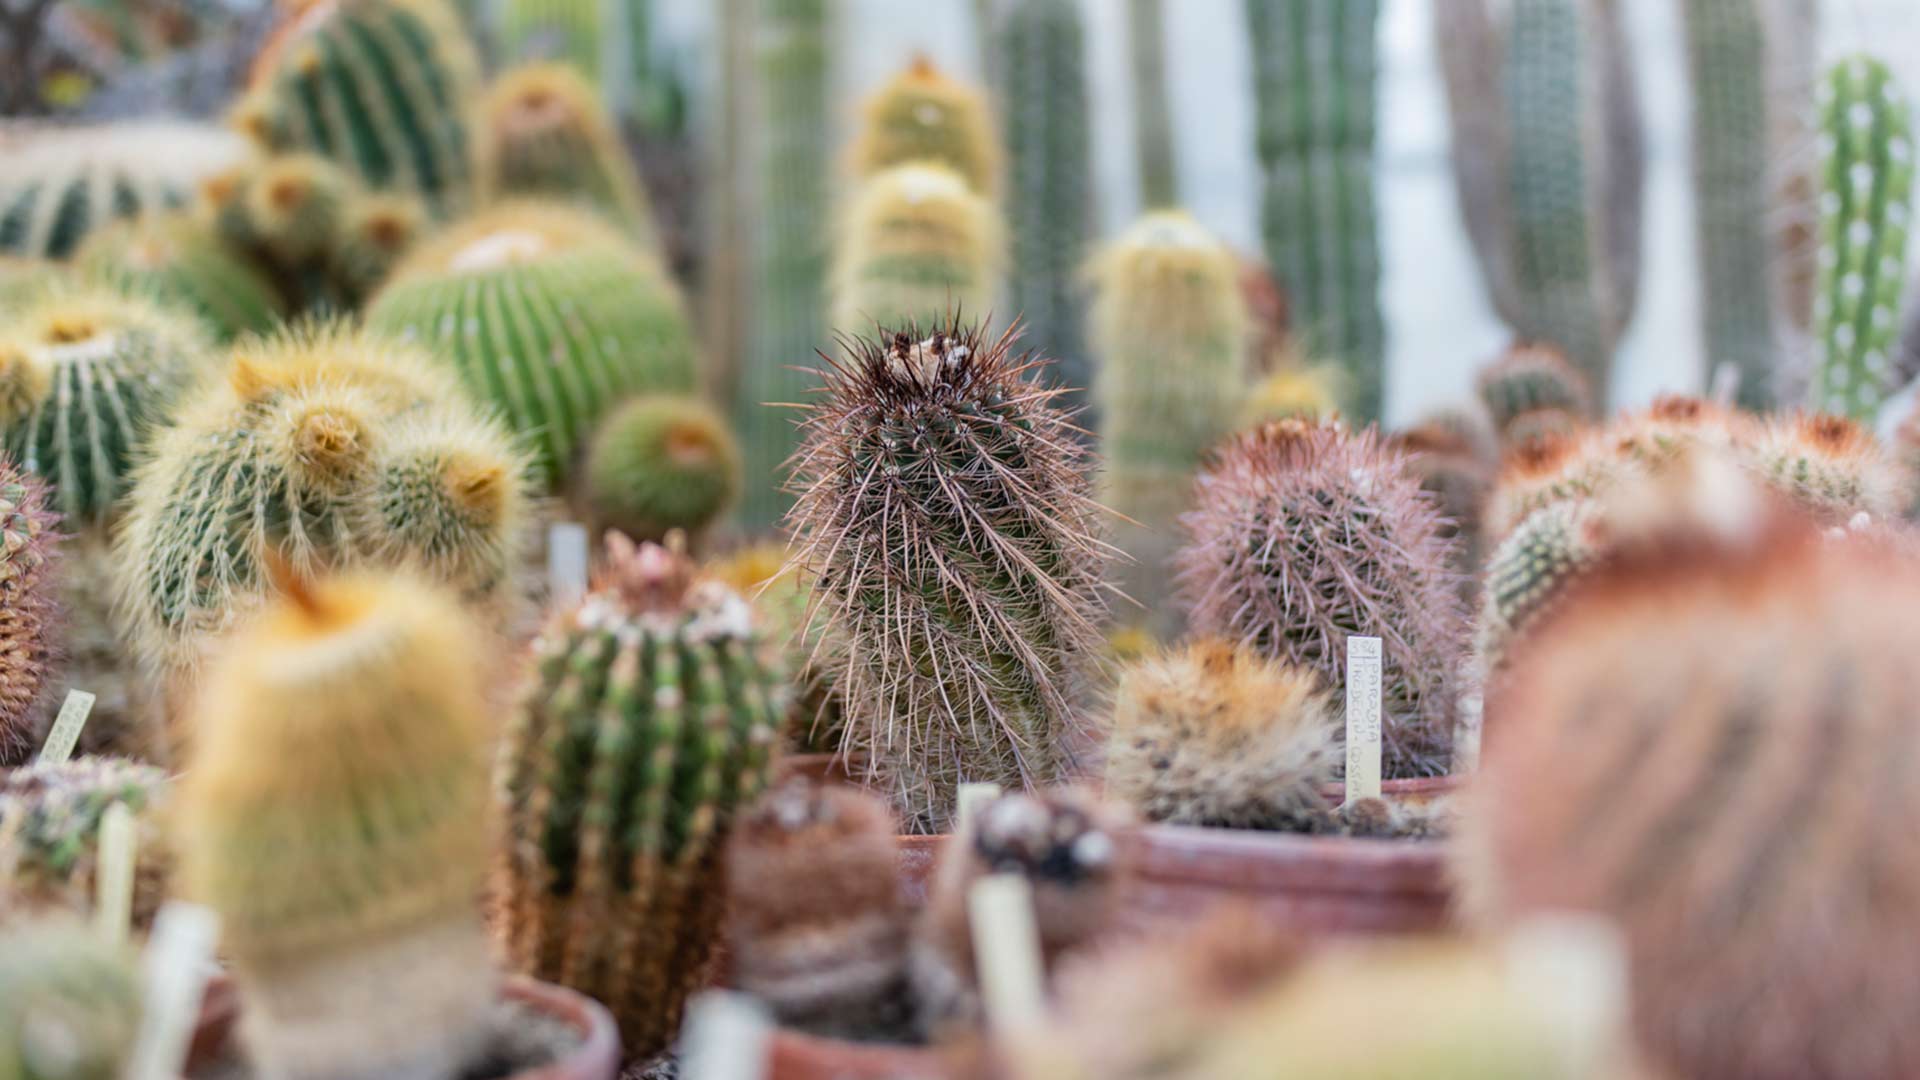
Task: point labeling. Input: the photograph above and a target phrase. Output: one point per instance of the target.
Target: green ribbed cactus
(565, 31)
(380, 87)
(1866, 141)
(85, 374)
(69, 1003)
(1170, 327)
(23, 279)
(661, 463)
(1529, 379)
(542, 133)
(50, 828)
(922, 115)
(1314, 76)
(31, 630)
(792, 56)
(61, 184)
(331, 814)
(651, 721)
(916, 245)
(1531, 567)
(1733, 187)
(548, 317)
(1040, 53)
(181, 262)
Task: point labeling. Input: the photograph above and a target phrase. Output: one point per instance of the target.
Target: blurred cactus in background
(32, 631)
(63, 183)
(922, 115)
(542, 133)
(50, 818)
(70, 1003)
(917, 246)
(177, 260)
(1152, 105)
(1531, 389)
(661, 463)
(565, 32)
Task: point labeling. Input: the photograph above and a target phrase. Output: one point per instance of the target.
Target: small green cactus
(31, 632)
(1530, 378)
(1866, 141)
(182, 263)
(50, 827)
(1547, 550)
(921, 115)
(542, 133)
(916, 246)
(1832, 467)
(62, 184)
(69, 1003)
(651, 721)
(658, 464)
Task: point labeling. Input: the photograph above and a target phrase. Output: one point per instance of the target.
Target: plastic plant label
(1363, 717)
(970, 799)
(1006, 949)
(567, 562)
(119, 847)
(178, 961)
(66, 727)
(726, 1038)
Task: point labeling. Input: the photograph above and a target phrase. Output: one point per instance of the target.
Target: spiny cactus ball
(923, 115)
(1304, 533)
(50, 827)
(181, 261)
(30, 632)
(660, 463)
(1532, 377)
(544, 134)
(1833, 467)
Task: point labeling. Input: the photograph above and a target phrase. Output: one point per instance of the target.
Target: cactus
(1152, 109)
(1170, 327)
(330, 815)
(31, 630)
(1040, 49)
(1727, 68)
(792, 54)
(85, 374)
(921, 115)
(1294, 391)
(543, 134)
(658, 464)
(917, 246)
(1314, 73)
(1452, 454)
(1867, 163)
(332, 448)
(817, 929)
(49, 834)
(1832, 467)
(1731, 805)
(1212, 734)
(24, 279)
(781, 599)
(1529, 570)
(1303, 534)
(650, 722)
(380, 87)
(558, 31)
(62, 184)
(184, 265)
(548, 316)
(944, 519)
(1531, 377)
(69, 1004)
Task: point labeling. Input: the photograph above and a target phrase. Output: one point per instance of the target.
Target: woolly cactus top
(922, 115)
(1833, 467)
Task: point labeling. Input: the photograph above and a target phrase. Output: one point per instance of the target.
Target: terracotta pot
(792, 1055)
(596, 1058)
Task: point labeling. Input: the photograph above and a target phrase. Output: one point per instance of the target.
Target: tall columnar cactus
(69, 1003)
(1040, 51)
(1305, 533)
(548, 316)
(60, 185)
(789, 156)
(182, 263)
(661, 463)
(542, 133)
(922, 115)
(1832, 467)
(1170, 326)
(563, 31)
(1727, 65)
(382, 88)
(1732, 805)
(818, 928)
(1528, 379)
(650, 721)
(50, 833)
(1314, 76)
(1152, 105)
(1866, 140)
(945, 520)
(331, 815)
(917, 245)
(30, 626)
(333, 449)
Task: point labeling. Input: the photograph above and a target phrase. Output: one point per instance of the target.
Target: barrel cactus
(542, 133)
(1528, 379)
(183, 263)
(661, 463)
(31, 641)
(50, 816)
(70, 1003)
(63, 183)
(916, 246)
(923, 115)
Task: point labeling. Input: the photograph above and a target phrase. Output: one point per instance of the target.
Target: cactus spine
(547, 316)
(1314, 74)
(651, 720)
(659, 464)
(30, 630)
(63, 184)
(921, 115)
(50, 827)
(1866, 141)
(69, 1004)
(917, 246)
(543, 134)
(945, 520)
(329, 814)
(183, 264)
(1170, 325)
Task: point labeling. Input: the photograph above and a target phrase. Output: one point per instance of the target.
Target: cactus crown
(1532, 377)
(543, 132)
(922, 115)
(1832, 466)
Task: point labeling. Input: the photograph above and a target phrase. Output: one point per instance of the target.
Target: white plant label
(66, 727)
(971, 798)
(567, 562)
(726, 1038)
(1006, 949)
(178, 960)
(119, 849)
(1363, 718)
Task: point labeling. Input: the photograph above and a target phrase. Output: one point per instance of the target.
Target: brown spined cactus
(1832, 467)
(1304, 533)
(945, 521)
(817, 928)
(30, 630)
(1455, 457)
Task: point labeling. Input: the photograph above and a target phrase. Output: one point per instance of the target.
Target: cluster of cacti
(1304, 533)
(651, 720)
(31, 634)
(1314, 74)
(330, 816)
(1531, 390)
(1866, 140)
(327, 447)
(918, 245)
(60, 185)
(945, 523)
(660, 463)
(1170, 327)
(542, 133)
(923, 116)
(382, 88)
(818, 928)
(548, 316)
(70, 1003)
(180, 262)
(49, 834)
